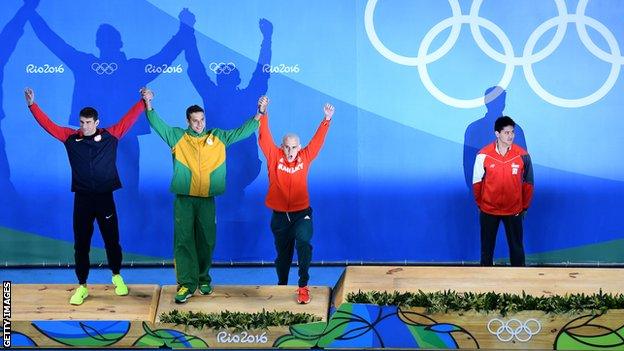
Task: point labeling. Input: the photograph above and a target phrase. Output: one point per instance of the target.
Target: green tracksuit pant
(194, 236)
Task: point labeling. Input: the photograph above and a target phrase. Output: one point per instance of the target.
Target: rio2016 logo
(164, 68)
(44, 69)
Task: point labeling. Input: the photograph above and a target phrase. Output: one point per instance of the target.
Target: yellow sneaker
(182, 295)
(79, 295)
(121, 288)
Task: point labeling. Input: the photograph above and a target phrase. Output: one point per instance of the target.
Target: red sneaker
(303, 295)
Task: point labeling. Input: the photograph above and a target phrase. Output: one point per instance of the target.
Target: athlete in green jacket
(198, 175)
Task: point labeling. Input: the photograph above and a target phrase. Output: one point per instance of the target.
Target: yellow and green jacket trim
(199, 159)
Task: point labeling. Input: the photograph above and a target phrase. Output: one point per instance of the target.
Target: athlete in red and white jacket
(291, 223)
(502, 184)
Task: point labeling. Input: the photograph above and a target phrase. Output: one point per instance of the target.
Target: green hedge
(237, 320)
(503, 303)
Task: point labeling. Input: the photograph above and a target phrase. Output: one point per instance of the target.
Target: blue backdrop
(409, 79)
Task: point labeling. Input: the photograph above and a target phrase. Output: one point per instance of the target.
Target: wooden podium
(397, 327)
(43, 317)
(248, 298)
(533, 281)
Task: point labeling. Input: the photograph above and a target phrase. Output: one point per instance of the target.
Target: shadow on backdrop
(227, 106)
(480, 133)
(11, 33)
(110, 82)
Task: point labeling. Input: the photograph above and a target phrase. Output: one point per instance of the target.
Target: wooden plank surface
(51, 302)
(532, 280)
(248, 298)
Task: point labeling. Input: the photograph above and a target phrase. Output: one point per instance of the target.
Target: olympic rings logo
(222, 67)
(104, 68)
(508, 58)
(514, 328)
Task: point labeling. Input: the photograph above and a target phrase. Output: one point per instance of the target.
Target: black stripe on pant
(87, 208)
(290, 230)
(513, 231)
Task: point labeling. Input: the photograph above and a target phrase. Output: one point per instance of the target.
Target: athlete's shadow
(481, 132)
(227, 106)
(11, 33)
(110, 82)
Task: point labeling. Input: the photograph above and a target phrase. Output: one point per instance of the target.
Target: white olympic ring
(508, 58)
(222, 67)
(104, 68)
(514, 328)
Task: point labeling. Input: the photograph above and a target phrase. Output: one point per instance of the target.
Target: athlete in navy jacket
(92, 154)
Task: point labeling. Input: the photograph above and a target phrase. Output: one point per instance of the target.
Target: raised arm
(313, 148)
(13, 31)
(58, 132)
(55, 43)
(168, 134)
(127, 121)
(176, 44)
(260, 78)
(232, 136)
(265, 139)
(196, 69)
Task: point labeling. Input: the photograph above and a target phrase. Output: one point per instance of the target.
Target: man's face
(197, 122)
(506, 135)
(88, 126)
(291, 147)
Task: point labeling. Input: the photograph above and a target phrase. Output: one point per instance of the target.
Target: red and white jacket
(288, 181)
(503, 185)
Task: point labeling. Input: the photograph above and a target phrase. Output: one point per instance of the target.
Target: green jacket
(199, 159)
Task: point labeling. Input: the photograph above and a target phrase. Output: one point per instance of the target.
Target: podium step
(247, 298)
(51, 302)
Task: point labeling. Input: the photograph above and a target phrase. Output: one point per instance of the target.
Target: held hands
(328, 109)
(147, 95)
(29, 94)
(186, 17)
(263, 102)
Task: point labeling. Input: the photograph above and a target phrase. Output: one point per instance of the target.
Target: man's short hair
(502, 122)
(193, 109)
(291, 136)
(89, 112)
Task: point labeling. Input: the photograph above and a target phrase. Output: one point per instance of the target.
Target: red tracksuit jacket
(503, 185)
(288, 181)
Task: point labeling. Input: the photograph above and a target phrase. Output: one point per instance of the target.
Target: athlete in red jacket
(291, 222)
(503, 187)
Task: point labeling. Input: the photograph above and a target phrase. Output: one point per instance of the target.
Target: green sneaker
(80, 295)
(182, 295)
(121, 288)
(205, 289)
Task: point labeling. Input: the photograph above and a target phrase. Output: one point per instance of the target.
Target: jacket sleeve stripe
(479, 170)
